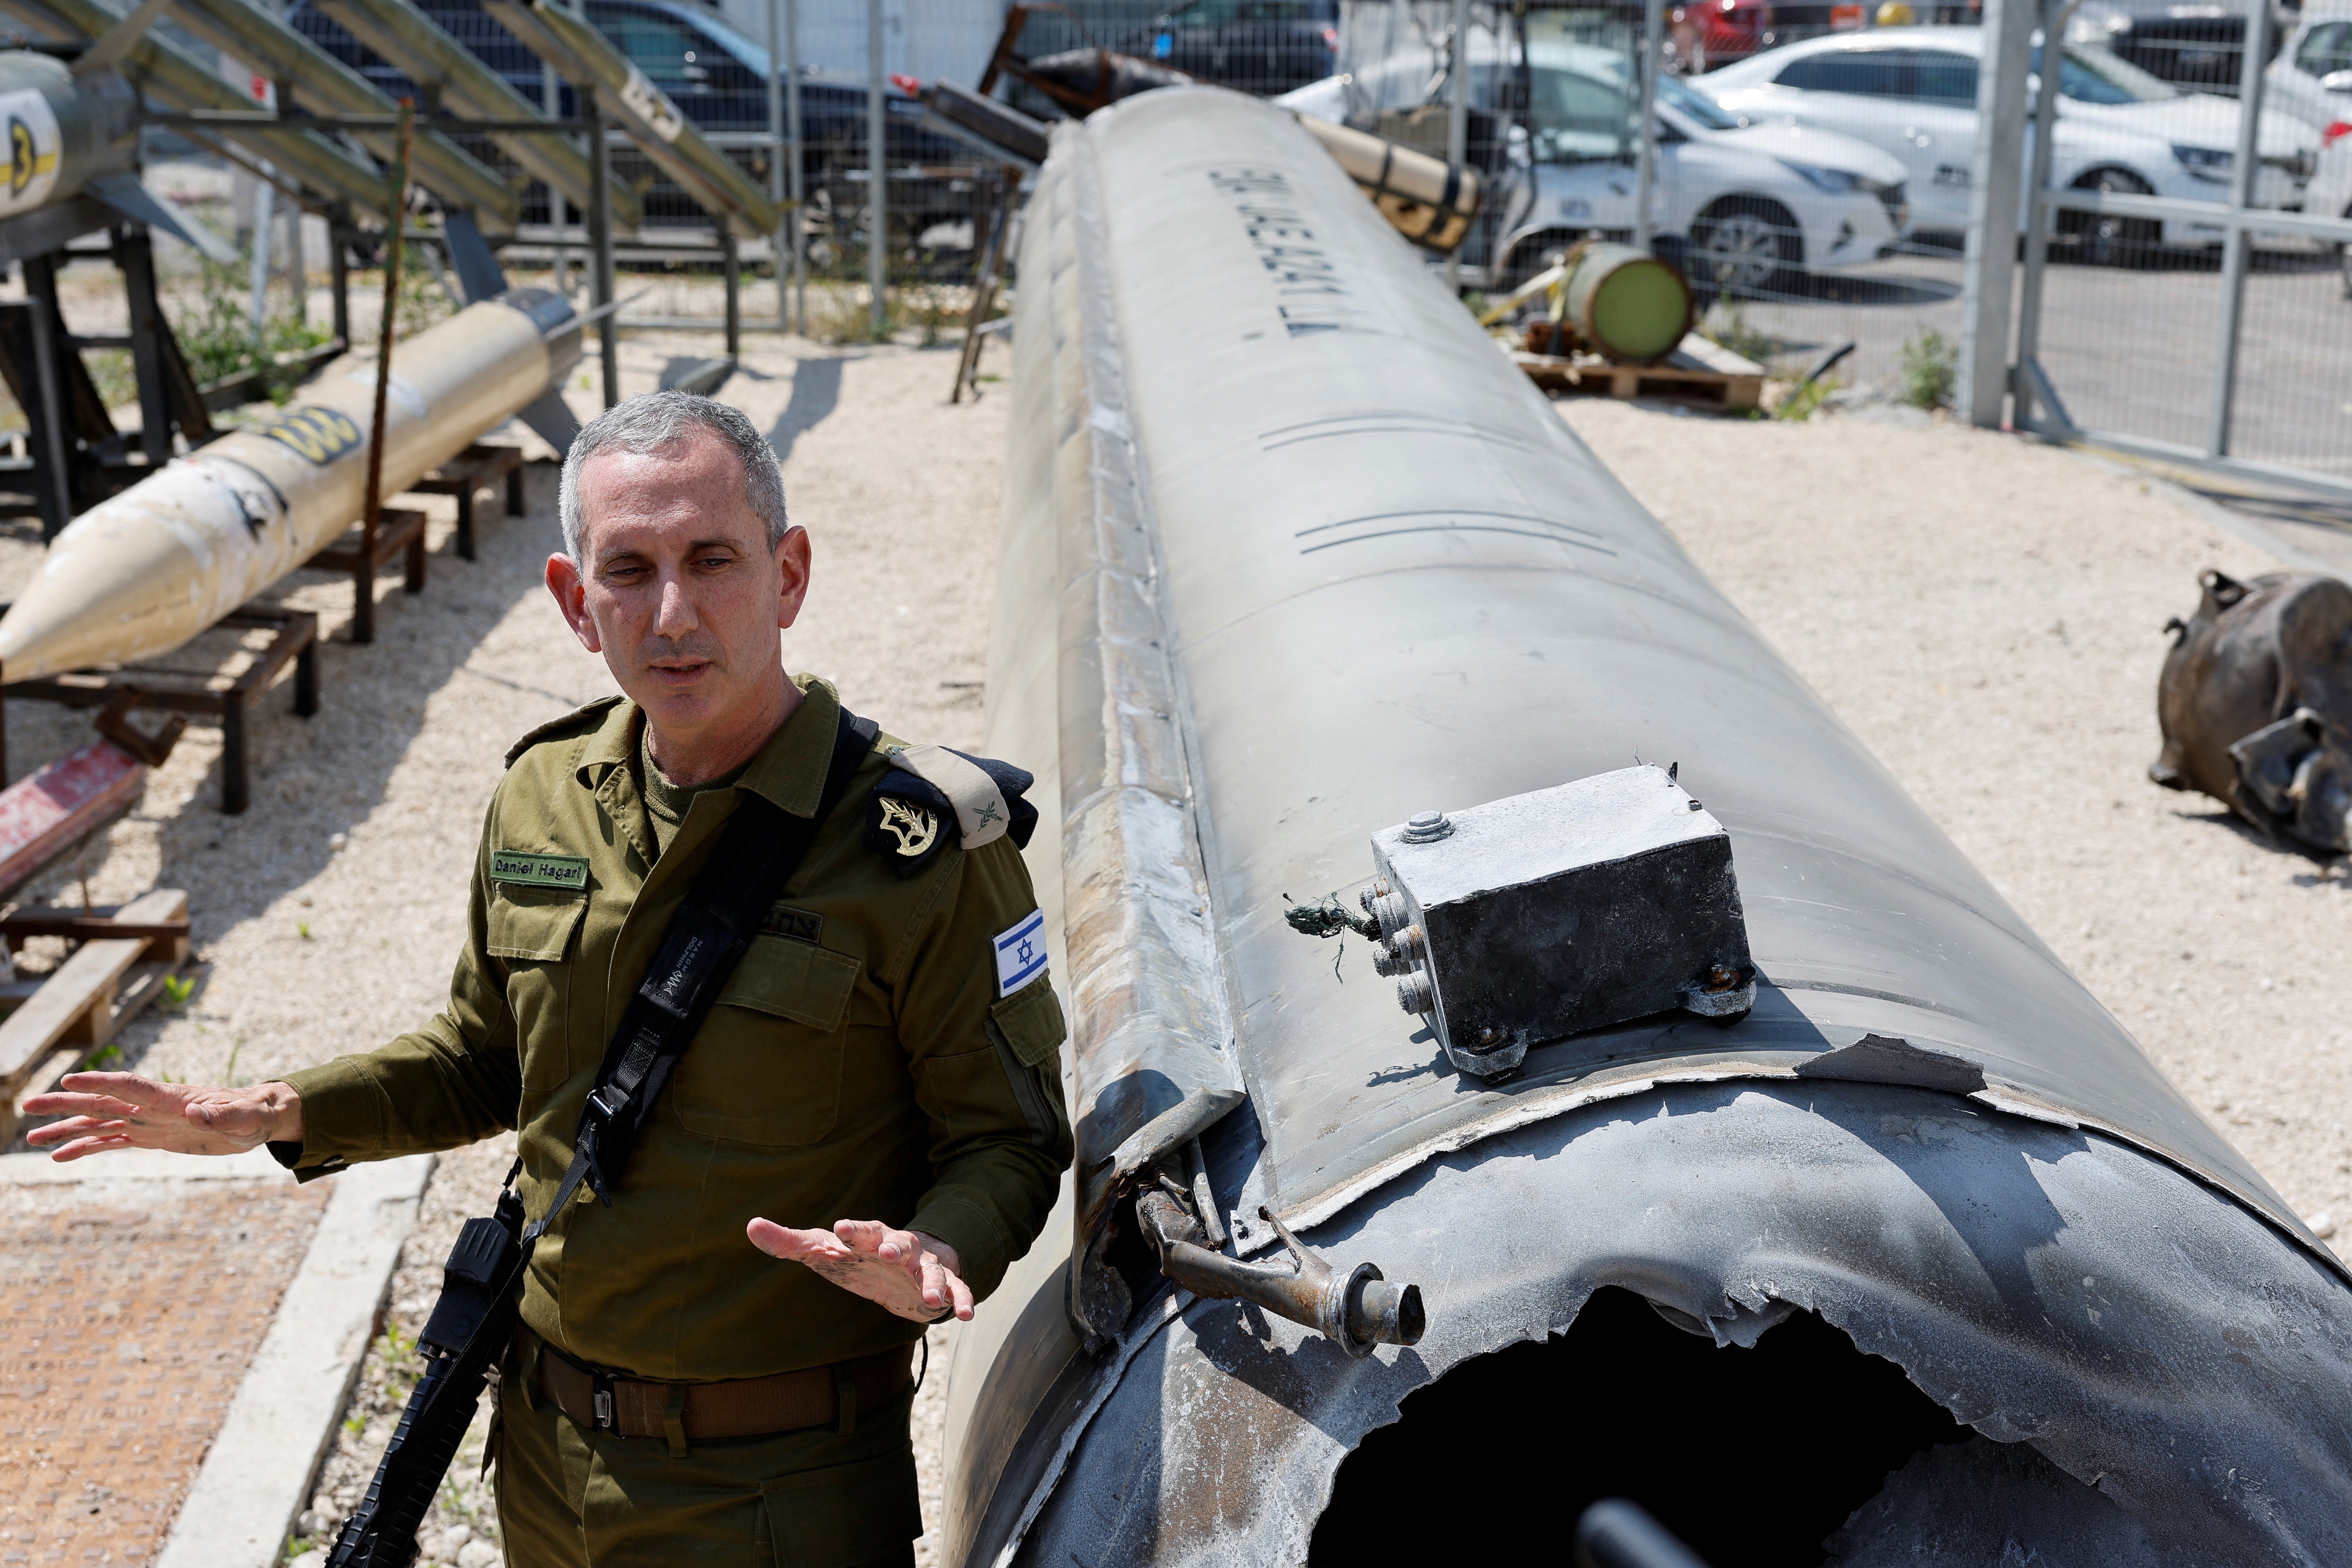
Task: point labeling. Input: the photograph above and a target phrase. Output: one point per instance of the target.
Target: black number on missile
(24, 157)
(318, 435)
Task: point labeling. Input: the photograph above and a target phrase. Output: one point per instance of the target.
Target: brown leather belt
(738, 1407)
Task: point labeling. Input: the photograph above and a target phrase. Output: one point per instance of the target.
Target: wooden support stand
(182, 691)
(477, 467)
(56, 1024)
(1699, 370)
(362, 552)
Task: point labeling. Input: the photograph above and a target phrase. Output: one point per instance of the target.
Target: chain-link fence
(2192, 300)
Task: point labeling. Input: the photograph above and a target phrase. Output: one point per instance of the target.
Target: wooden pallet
(57, 1022)
(1698, 372)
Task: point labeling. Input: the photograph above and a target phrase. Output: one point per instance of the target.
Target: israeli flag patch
(1021, 953)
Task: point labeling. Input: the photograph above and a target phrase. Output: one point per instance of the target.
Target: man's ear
(792, 575)
(563, 581)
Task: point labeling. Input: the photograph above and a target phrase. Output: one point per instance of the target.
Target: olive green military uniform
(863, 1062)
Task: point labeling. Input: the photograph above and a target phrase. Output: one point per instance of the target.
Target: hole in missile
(1752, 1456)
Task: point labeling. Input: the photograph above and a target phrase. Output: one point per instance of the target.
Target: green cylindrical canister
(1627, 303)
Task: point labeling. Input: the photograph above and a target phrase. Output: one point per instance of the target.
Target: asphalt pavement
(2128, 348)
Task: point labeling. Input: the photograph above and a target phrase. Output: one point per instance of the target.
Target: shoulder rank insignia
(931, 796)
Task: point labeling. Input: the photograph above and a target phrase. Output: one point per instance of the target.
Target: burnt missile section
(1559, 911)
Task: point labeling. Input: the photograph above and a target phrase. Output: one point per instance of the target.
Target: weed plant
(1929, 365)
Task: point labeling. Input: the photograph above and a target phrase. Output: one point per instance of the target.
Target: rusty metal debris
(1355, 1310)
(2255, 702)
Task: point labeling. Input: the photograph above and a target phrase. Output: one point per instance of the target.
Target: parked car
(1755, 207)
(2329, 194)
(2189, 43)
(1912, 92)
(2312, 78)
(1265, 46)
(713, 73)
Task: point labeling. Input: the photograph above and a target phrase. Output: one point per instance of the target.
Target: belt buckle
(606, 1417)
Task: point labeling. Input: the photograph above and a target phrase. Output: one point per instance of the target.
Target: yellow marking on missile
(318, 435)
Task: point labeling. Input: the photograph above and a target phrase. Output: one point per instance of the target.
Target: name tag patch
(1021, 953)
(529, 870)
(801, 925)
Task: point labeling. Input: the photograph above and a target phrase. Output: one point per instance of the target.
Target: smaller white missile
(142, 573)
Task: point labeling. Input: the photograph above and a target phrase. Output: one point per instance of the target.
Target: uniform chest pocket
(534, 932)
(766, 1069)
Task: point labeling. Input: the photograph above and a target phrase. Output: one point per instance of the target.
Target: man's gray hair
(659, 420)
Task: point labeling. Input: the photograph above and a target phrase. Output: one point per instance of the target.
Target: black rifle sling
(755, 857)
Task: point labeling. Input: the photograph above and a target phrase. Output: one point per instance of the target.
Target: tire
(2101, 239)
(1744, 247)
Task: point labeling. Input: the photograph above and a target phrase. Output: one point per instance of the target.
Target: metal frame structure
(1988, 369)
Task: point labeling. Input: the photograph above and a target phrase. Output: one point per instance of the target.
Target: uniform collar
(788, 772)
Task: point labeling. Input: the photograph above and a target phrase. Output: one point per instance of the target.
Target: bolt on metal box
(1561, 911)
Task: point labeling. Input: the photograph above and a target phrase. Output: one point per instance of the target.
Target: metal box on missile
(1559, 910)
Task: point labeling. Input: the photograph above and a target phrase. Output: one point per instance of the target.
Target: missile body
(171, 80)
(585, 57)
(143, 573)
(62, 134)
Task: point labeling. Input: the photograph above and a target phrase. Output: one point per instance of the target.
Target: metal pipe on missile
(140, 575)
(323, 85)
(419, 47)
(587, 60)
(169, 78)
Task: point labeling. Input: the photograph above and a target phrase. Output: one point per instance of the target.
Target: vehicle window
(1693, 104)
(1945, 78)
(1873, 73)
(2095, 76)
(654, 44)
(2326, 48)
(1577, 118)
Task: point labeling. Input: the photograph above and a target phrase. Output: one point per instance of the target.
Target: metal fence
(2201, 313)
(2169, 245)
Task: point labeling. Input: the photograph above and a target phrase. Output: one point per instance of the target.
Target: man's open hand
(125, 1110)
(911, 1274)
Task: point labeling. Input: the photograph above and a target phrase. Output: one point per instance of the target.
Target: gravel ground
(327, 917)
(1988, 614)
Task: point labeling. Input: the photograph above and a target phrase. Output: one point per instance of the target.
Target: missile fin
(552, 418)
(478, 273)
(126, 195)
(115, 43)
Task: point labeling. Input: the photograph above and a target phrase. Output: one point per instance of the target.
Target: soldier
(865, 1130)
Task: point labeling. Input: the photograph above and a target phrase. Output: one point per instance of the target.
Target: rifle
(471, 1324)
(481, 1291)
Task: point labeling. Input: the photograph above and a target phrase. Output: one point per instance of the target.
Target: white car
(1912, 91)
(2329, 194)
(2312, 78)
(1756, 207)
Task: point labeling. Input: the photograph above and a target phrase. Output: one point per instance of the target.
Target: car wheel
(2103, 239)
(1746, 246)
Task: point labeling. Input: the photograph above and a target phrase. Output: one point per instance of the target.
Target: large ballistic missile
(73, 134)
(585, 58)
(142, 573)
(1921, 1260)
(412, 40)
(324, 85)
(172, 79)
